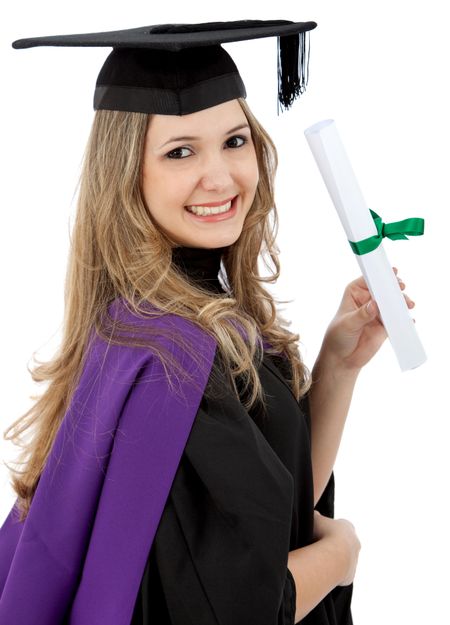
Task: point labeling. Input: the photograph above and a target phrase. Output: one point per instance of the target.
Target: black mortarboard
(176, 69)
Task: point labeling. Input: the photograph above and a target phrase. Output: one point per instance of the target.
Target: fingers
(402, 286)
(361, 283)
(409, 301)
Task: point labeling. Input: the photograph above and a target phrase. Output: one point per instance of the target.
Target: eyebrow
(186, 138)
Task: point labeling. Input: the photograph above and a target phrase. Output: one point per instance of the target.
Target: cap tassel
(293, 68)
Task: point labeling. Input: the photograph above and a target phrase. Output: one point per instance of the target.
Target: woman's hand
(341, 533)
(356, 332)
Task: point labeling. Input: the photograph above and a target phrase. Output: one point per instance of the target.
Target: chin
(221, 241)
(211, 240)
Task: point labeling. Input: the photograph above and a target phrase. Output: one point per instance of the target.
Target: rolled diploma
(333, 163)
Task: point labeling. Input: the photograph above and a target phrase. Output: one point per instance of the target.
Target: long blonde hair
(117, 251)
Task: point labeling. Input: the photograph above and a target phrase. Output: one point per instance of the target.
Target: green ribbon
(395, 230)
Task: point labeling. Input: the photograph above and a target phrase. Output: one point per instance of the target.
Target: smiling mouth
(210, 210)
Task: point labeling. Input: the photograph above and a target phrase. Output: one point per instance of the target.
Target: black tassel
(293, 68)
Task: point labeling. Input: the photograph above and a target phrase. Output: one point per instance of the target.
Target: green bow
(395, 230)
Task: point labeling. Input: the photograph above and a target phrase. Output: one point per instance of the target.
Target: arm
(329, 399)
(316, 569)
(352, 338)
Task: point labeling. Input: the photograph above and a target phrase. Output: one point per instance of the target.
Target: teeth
(210, 210)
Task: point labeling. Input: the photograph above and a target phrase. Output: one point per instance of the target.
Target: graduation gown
(241, 499)
(166, 507)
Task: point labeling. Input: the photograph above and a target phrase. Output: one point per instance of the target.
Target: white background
(380, 69)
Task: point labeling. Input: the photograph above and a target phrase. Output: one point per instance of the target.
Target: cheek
(147, 182)
(165, 192)
(250, 175)
(255, 175)
(250, 170)
(153, 182)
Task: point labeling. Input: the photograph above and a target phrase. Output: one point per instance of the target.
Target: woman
(181, 468)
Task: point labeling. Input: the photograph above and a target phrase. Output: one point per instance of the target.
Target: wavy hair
(117, 251)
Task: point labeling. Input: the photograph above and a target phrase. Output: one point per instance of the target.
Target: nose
(216, 174)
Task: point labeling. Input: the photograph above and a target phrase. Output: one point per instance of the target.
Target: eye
(236, 141)
(240, 139)
(177, 153)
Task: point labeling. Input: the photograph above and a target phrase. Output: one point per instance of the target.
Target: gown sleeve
(286, 615)
(151, 604)
(242, 498)
(221, 549)
(335, 608)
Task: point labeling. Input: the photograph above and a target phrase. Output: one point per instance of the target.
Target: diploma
(359, 225)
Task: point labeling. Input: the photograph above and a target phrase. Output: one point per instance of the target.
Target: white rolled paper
(337, 173)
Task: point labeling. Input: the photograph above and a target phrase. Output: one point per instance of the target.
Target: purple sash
(82, 550)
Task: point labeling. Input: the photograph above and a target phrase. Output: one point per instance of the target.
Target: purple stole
(81, 552)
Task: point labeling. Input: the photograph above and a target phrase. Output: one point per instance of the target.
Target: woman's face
(205, 160)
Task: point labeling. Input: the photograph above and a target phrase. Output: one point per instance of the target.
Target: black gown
(241, 499)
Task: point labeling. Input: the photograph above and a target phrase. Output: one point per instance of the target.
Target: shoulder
(279, 359)
(132, 377)
(130, 342)
(162, 327)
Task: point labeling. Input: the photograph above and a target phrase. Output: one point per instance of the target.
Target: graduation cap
(177, 69)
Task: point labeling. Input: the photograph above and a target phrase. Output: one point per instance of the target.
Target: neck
(200, 265)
